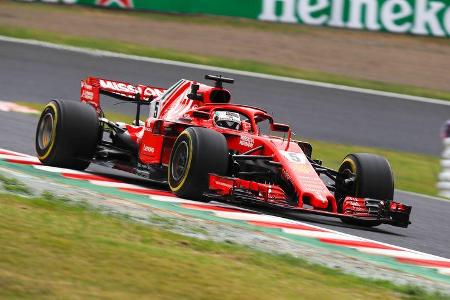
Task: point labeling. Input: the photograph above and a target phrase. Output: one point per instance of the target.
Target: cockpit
(246, 119)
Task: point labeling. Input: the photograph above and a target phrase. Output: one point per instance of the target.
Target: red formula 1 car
(205, 147)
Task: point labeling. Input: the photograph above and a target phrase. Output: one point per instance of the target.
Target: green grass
(14, 186)
(246, 65)
(57, 250)
(413, 172)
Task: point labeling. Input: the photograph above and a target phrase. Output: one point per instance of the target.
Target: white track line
(57, 170)
(15, 153)
(322, 234)
(14, 107)
(396, 253)
(425, 196)
(103, 53)
(242, 216)
(22, 158)
(444, 271)
(117, 184)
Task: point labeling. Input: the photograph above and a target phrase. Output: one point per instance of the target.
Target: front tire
(67, 134)
(197, 152)
(373, 179)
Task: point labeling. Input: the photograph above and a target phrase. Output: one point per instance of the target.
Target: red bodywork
(172, 111)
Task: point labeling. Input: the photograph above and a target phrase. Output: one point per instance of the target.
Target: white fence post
(443, 184)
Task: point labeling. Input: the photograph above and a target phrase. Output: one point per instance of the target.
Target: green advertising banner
(420, 17)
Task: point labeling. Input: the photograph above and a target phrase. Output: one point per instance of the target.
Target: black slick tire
(374, 180)
(197, 152)
(67, 134)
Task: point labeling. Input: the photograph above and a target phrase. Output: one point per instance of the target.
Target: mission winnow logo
(423, 17)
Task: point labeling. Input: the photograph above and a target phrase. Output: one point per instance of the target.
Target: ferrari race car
(204, 147)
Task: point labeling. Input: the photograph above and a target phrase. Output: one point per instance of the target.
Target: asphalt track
(33, 73)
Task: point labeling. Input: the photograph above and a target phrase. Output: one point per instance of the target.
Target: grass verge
(14, 186)
(413, 172)
(245, 65)
(57, 250)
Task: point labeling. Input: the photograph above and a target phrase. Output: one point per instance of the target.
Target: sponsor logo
(422, 17)
(117, 86)
(286, 175)
(86, 86)
(149, 91)
(121, 87)
(87, 95)
(115, 3)
(247, 141)
(149, 149)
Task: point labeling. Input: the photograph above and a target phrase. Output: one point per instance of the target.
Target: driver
(227, 119)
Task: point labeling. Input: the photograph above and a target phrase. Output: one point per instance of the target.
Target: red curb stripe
(144, 191)
(350, 243)
(12, 153)
(210, 207)
(23, 162)
(87, 176)
(284, 225)
(425, 262)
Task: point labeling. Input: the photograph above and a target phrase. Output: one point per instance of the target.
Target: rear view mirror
(279, 127)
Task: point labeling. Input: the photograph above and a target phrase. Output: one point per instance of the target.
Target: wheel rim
(180, 161)
(45, 133)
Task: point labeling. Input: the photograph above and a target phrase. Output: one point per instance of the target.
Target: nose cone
(317, 200)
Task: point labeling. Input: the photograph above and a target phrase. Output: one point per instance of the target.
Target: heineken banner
(421, 17)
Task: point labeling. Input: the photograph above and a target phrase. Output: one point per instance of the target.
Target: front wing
(361, 210)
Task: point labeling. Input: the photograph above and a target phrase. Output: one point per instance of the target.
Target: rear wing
(92, 88)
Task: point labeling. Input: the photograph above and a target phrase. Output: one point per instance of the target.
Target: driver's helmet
(227, 119)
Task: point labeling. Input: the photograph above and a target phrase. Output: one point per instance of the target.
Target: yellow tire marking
(180, 185)
(55, 121)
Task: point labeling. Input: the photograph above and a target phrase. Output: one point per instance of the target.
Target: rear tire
(196, 153)
(67, 134)
(374, 180)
